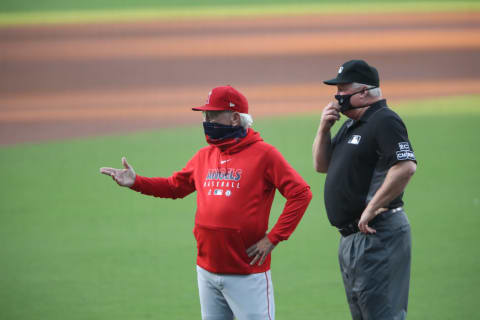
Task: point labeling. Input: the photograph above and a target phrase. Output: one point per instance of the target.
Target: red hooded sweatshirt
(235, 182)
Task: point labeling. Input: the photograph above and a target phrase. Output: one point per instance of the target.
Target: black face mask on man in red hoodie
(219, 131)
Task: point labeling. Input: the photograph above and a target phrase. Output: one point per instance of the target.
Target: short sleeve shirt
(362, 153)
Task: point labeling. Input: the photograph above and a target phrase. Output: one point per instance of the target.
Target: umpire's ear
(364, 91)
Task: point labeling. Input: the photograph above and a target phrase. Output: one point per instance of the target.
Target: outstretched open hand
(124, 177)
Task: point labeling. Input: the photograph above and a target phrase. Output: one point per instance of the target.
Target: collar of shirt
(374, 107)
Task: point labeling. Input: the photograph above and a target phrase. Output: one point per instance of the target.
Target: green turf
(73, 245)
(14, 12)
(55, 5)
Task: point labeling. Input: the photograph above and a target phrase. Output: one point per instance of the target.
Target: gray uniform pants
(376, 268)
(245, 297)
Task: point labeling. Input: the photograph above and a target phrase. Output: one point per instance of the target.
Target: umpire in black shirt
(368, 164)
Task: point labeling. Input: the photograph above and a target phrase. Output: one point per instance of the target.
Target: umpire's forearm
(395, 183)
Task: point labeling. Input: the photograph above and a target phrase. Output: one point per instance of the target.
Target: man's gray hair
(246, 120)
(377, 92)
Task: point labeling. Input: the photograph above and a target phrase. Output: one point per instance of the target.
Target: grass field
(73, 245)
(55, 5)
(15, 12)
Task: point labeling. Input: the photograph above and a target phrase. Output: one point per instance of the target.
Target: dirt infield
(79, 80)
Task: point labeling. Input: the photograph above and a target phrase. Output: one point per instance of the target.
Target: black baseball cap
(356, 71)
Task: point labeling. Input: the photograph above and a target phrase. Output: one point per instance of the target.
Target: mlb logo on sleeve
(355, 139)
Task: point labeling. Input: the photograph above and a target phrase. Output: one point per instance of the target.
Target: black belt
(349, 229)
(352, 227)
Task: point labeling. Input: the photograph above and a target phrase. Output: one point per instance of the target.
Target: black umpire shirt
(362, 153)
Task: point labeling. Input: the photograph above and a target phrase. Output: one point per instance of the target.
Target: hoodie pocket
(221, 250)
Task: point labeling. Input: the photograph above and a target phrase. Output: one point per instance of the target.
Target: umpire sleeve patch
(405, 155)
(405, 152)
(403, 146)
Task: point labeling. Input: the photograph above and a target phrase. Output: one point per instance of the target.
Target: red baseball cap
(224, 98)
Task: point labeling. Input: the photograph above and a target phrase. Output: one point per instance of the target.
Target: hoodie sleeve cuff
(273, 238)
(136, 184)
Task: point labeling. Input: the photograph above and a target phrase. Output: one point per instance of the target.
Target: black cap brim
(335, 81)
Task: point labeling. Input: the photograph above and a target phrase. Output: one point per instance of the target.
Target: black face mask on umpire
(344, 100)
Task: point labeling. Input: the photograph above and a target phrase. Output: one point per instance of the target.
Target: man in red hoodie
(235, 178)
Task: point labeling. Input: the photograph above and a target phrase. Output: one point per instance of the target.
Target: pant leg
(380, 267)
(347, 260)
(400, 276)
(396, 234)
(250, 296)
(212, 302)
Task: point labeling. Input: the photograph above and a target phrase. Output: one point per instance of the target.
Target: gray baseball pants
(245, 297)
(376, 268)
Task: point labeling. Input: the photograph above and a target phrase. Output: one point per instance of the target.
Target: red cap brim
(209, 108)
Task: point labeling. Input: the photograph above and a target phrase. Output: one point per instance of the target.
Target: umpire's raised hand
(124, 177)
(330, 115)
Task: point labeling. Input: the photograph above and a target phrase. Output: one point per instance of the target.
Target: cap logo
(232, 104)
(340, 69)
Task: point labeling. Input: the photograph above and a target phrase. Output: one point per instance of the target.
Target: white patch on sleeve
(403, 146)
(405, 155)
